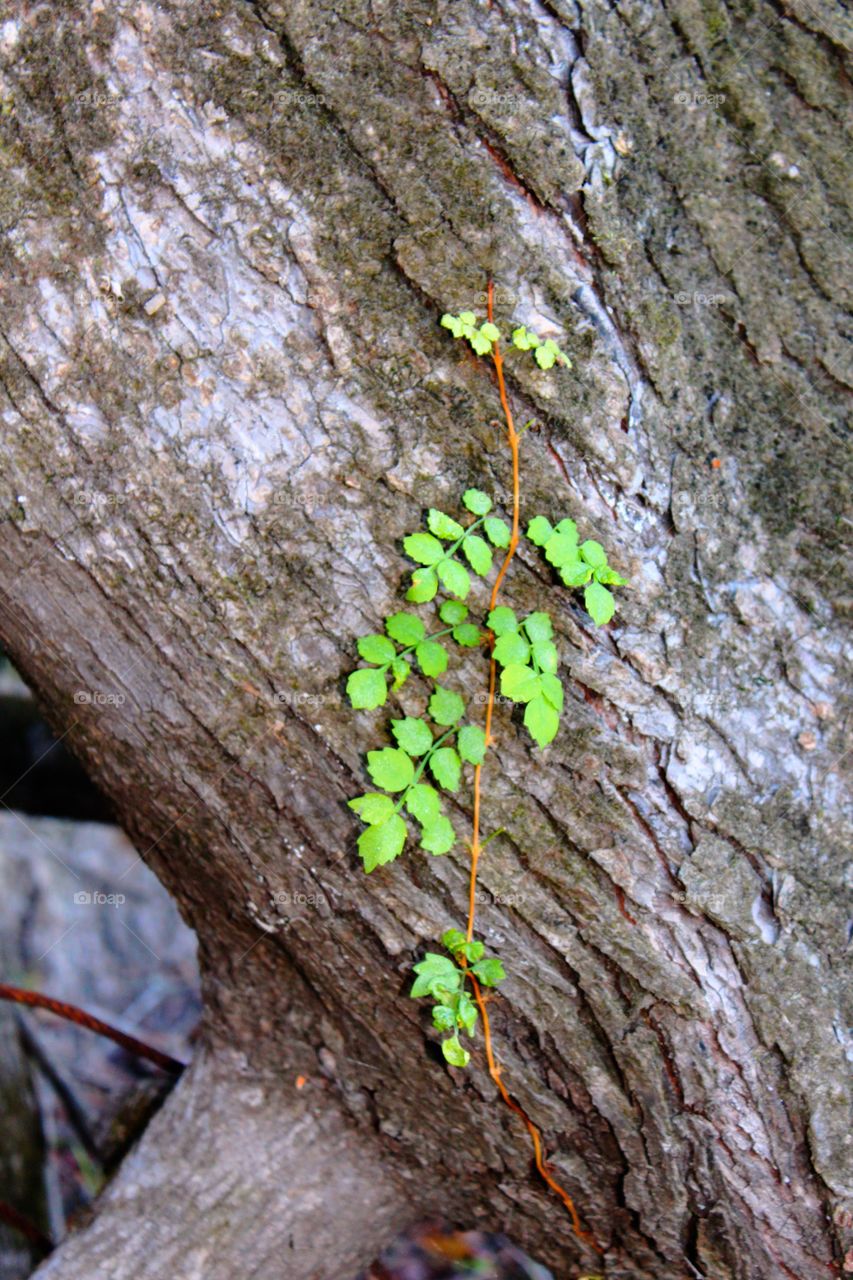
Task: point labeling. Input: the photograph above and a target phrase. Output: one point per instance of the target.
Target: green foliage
(583, 565)
(446, 981)
(528, 657)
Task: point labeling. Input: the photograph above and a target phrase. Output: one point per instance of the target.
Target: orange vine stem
(494, 1068)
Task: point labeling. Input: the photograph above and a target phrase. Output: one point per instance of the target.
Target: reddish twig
(17, 1220)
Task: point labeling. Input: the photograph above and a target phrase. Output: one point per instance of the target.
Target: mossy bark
(231, 229)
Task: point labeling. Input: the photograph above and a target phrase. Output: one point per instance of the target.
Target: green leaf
(401, 671)
(432, 657)
(443, 1017)
(519, 683)
(377, 649)
(424, 803)
(466, 1012)
(455, 578)
(539, 531)
(480, 343)
(490, 331)
(453, 612)
(566, 526)
(473, 951)
(511, 647)
(497, 531)
(424, 586)
(414, 736)
(446, 707)
(468, 318)
(538, 626)
(477, 554)
(545, 656)
(435, 972)
(552, 690)
(610, 576)
(467, 635)
(383, 842)
(523, 339)
(489, 971)
(477, 501)
(471, 743)
(562, 549)
(453, 323)
(600, 603)
(373, 807)
(406, 628)
(366, 688)
(454, 1053)
(575, 573)
(446, 768)
(453, 939)
(423, 547)
(438, 837)
(548, 353)
(594, 553)
(390, 768)
(501, 620)
(443, 526)
(541, 720)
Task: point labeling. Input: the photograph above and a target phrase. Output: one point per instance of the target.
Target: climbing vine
(434, 747)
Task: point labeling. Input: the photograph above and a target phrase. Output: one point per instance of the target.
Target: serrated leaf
(490, 331)
(446, 707)
(366, 688)
(552, 690)
(545, 656)
(600, 603)
(467, 635)
(453, 323)
(489, 971)
(501, 620)
(454, 1053)
(432, 657)
(610, 577)
(593, 553)
(443, 1017)
(480, 343)
(423, 802)
(575, 573)
(383, 842)
(438, 837)
(405, 628)
(455, 578)
(443, 526)
(466, 1012)
(538, 626)
(414, 736)
(471, 743)
(523, 339)
(548, 353)
(568, 527)
(497, 531)
(539, 531)
(453, 939)
(477, 501)
(390, 768)
(435, 972)
(511, 647)
(519, 683)
(477, 554)
(401, 671)
(377, 649)
(467, 317)
(423, 547)
(561, 549)
(453, 612)
(373, 807)
(473, 951)
(424, 586)
(446, 768)
(541, 720)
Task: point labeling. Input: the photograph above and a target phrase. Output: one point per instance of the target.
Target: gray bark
(231, 229)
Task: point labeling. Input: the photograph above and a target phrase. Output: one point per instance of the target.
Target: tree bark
(230, 230)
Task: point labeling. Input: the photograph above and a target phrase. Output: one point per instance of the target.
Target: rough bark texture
(231, 228)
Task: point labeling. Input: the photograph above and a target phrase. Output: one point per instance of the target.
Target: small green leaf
(566, 526)
(497, 531)
(423, 547)
(455, 578)
(435, 972)
(390, 768)
(453, 612)
(466, 1012)
(523, 339)
(454, 1053)
(443, 1017)
(446, 768)
(472, 951)
(490, 331)
(545, 656)
(501, 620)
(424, 803)
(453, 323)
(480, 343)
(471, 742)
(432, 657)
(406, 628)
(575, 573)
(541, 720)
(438, 837)
(548, 353)
(467, 635)
(477, 501)
(539, 531)
(489, 971)
(443, 526)
(446, 707)
(609, 576)
(600, 603)
(538, 626)
(519, 683)
(424, 586)
(377, 649)
(414, 736)
(373, 807)
(468, 318)
(552, 690)
(477, 554)
(401, 671)
(562, 549)
(366, 688)
(593, 553)
(511, 647)
(383, 842)
(453, 939)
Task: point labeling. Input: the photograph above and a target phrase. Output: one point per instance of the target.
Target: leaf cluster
(579, 565)
(482, 338)
(444, 978)
(440, 551)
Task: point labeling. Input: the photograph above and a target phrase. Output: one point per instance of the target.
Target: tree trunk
(231, 229)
